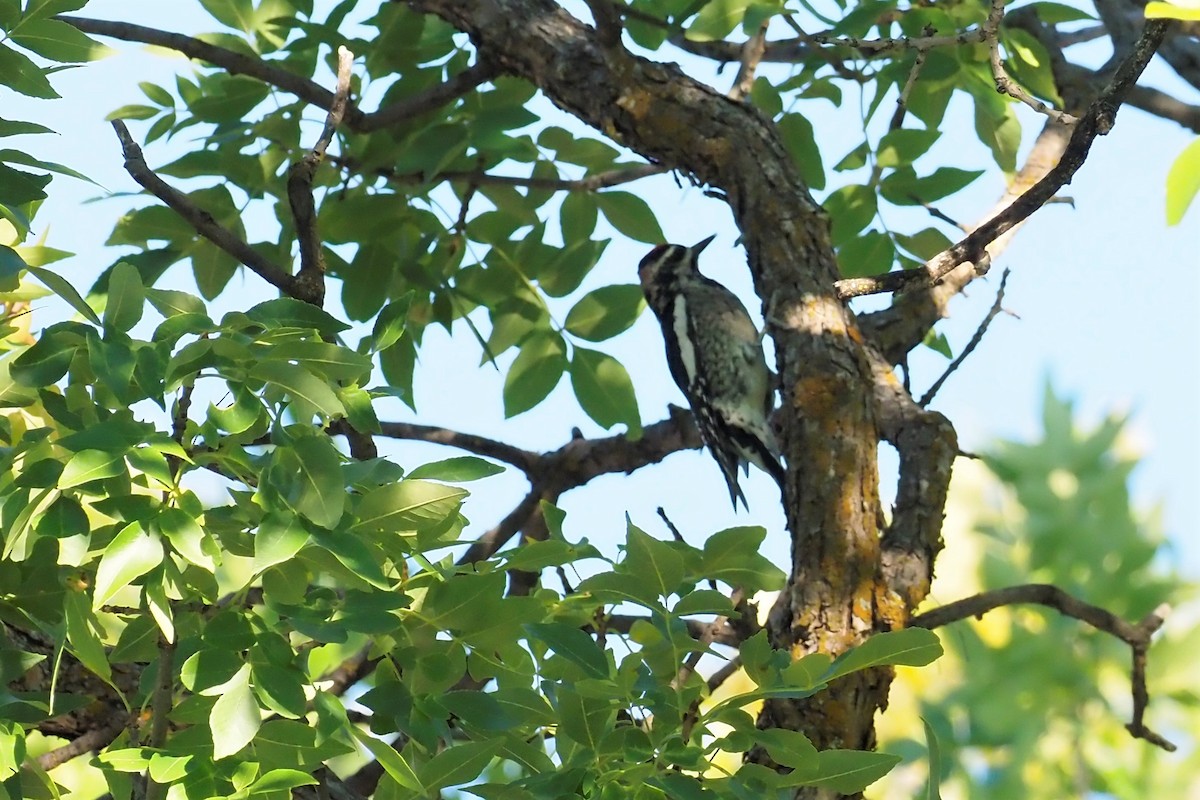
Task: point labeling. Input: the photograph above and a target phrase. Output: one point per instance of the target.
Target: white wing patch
(687, 352)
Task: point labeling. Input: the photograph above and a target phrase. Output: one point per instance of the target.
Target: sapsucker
(715, 355)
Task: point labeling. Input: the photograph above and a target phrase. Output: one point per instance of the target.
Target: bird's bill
(703, 243)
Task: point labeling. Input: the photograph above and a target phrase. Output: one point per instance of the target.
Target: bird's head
(667, 262)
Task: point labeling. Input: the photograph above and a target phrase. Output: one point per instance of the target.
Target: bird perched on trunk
(715, 355)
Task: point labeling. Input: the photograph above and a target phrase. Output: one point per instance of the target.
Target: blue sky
(1108, 299)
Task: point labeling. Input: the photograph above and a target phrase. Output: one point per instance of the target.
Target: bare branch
(455, 87)
(1004, 83)
(1136, 636)
(592, 183)
(311, 277)
(1098, 120)
(608, 22)
(524, 460)
(490, 542)
(94, 739)
(752, 53)
(309, 91)
(201, 220)
(971, 345)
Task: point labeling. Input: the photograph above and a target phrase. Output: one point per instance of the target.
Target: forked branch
(1136, 636)
(1098, 120)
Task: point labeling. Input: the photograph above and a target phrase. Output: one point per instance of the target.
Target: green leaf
(630, 215)
(904, 188)
(392, 762)
(851, 771)
(732, 556)
(132, 553)
(800, 141)
(65, 517)
(459, 764)
(851, 208)
(583, 719)
(59, 41)
(157, 94)
(126, 298)
(868, 253)
(279, 537)
(390, 324)
(534, 373)
(571, 643)
(186, 536)
(604, 389)
(46, 361)
(1183, 182)
(605, 312)
(717, 19)
(235, 716)
(459, 469)
(280, 780)
(20, 73)
(91, 465)
(318, 481)
(324, 359)
(913, 647)
(59, 285)
(904, 146)
(82, 635)
(577, 217)
(301, 384)
(132, 111)
(1054, 13)
(791, 749)
(12, 264)
(410, 505)
(18, 187)
(171, 303)
(933, 788)
(656, 563)
(284, 312)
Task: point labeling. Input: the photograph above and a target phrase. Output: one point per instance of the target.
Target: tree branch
(310, 280)
(94, 739)
(1098, 120)
(524, 460)
(1004, 82)
(309, 91)
(201, 220)
(971, 345)
(591, 183)
(1136, 636)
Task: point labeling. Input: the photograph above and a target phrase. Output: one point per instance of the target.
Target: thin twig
(902, 101)
(162, 701)
(727, 670)
(201, 220)
(1136, 636)
(1004, 83)
(309, 91)
(311, 277)
(662, 513)
(1097, 121)
(971, 345)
